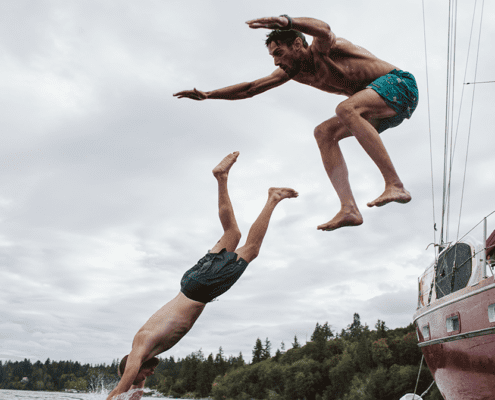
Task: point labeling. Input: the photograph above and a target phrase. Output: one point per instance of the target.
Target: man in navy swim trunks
(212, 276)
(379, 97)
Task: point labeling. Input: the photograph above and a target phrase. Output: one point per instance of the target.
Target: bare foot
(279, 194)
(222, 169)
(343, 218)
(399, 195)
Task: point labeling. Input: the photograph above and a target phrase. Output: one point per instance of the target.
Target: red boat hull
(461, 356)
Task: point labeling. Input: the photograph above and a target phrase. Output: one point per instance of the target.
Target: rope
(470, 117)
(475, 83)
(429, 387)
(468, 232)
(419, 372)
(450, 96)
(450, 246)
(447, 117)
(460, 107)
(429, 128)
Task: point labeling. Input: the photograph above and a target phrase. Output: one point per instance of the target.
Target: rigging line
(419, 372)
(462, 94)
(444, 189)
(474, 227)
(475, 83)
(429, 387)
(448, 117)
(451, 245)
(451, 110)
(462, 97)
(429, 128)
(470, 117)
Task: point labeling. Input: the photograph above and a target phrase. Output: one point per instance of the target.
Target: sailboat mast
(447, 167)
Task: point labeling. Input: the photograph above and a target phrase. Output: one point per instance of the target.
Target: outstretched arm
(239, 91)
(138, 394)
(131, 370)
(311, 26)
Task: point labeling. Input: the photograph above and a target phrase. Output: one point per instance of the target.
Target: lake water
(28, 395)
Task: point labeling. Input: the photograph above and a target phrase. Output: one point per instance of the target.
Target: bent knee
(234, 235)
(248, 252)
(329, 131)
(345, 110)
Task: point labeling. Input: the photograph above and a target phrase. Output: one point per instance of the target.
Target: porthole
(426, 332)
(453, 323)
(491, 312)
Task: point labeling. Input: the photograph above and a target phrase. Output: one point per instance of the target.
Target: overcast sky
(106, 191)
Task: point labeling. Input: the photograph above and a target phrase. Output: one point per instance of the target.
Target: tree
(380, 352)
(266, 350)
(220, 363)
(353, 330)
(321, 332)
(239, 361)
(296, 344)
(381, 329)
(258, 351)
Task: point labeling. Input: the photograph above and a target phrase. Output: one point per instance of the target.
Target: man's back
(341, 67)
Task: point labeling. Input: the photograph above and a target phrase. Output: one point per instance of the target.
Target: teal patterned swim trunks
(400, 92)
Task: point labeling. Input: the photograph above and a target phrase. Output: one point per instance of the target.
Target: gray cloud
(107, 195)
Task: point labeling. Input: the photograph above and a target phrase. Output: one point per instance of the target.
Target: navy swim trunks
(400, 92)
(212, 276)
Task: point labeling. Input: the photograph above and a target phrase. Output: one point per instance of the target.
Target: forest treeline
(356, 364)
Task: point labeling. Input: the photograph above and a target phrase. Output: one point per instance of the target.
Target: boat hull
(461, 354)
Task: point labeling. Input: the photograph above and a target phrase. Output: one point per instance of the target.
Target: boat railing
(458, 264)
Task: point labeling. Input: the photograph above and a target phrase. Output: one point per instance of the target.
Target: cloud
(107, 196)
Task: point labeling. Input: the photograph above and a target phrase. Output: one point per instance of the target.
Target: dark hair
(286, 36)
(152, 362)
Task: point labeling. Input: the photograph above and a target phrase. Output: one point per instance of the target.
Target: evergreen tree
(353, 330)
(258, 352)
(220, 363)
(239, 361)
(296, 344)
(266, 350)
(321, 332)
(381, 329)
(2, 374)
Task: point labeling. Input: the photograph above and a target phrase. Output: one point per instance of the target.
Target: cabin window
(453, 269)
(426, 332)
(491, 312)
(453, 323)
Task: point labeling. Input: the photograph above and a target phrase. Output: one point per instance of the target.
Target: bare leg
(258, 230)
(355, 114)
(328, 135)
(232, 234)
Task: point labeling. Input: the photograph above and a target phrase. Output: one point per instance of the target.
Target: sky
(106, 191)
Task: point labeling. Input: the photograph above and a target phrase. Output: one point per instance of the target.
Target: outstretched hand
(194, 94)
(268, 23)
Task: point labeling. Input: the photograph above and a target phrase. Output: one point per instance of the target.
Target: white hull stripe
(460, 336)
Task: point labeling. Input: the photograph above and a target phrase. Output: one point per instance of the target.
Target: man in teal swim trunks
(379, 97)
(212, 276)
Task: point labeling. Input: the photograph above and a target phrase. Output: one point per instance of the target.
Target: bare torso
(167, 326)
(341, 67)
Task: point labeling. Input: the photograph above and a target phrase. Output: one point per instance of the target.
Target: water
(29, 395)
